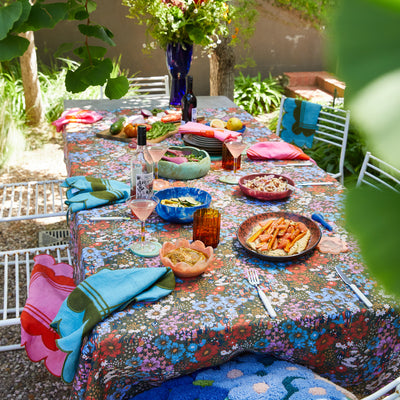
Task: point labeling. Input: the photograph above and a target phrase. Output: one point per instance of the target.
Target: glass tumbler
(206, 226)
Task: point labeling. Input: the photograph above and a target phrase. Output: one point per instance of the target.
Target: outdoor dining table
(209, 319)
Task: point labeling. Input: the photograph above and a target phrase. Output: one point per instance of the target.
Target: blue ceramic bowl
(181, 215)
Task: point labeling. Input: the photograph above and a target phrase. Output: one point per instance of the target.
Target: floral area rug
(249, 377)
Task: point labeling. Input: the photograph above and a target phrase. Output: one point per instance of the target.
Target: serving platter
(246, 229)
(121, 137)
(260, 195)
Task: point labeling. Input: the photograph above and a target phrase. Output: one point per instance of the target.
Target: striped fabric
(88, 192)
(98, 296)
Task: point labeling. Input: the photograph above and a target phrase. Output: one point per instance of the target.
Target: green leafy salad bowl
(184, 163)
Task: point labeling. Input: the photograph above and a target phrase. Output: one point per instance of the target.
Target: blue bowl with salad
(184, 163)
(178, 204)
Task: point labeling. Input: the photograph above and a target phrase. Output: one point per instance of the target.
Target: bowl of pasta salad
(266, 186)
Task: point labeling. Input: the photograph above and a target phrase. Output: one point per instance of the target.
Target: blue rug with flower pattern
(248, 377)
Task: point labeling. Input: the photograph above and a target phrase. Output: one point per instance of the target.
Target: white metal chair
(375, 172)
(151, 86)
(332, 127)
(16, 267)
(30, 200)
(385, 390)
(26, 201)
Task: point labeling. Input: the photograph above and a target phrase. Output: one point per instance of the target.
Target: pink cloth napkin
(276, 151)
(204, 130)
(49, 286)
(178, 159)
(76, 115)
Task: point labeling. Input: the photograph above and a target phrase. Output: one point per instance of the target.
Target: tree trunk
(33, 99)
(222, 63)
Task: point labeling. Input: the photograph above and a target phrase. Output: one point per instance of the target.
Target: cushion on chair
(49, 286)
(299, 122)
(249, 377)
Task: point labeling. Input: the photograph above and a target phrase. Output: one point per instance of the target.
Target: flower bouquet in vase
(176, 25)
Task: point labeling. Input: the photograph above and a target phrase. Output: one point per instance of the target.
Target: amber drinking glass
(206, 226)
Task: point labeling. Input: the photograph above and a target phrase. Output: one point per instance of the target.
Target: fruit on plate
(218, 123)
(234, 124)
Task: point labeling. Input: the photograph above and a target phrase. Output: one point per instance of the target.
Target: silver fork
(252, 277)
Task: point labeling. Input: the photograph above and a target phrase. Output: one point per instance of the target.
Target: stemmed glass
(142, 208)
(236, 146)
(157, 152)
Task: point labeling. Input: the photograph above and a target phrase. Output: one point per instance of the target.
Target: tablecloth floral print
(208, 320)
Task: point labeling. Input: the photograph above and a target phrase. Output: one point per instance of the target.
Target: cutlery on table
(299, 164)
(108, 218)
(319, 218)
(353, 287)
(252, 277)
(314, 183)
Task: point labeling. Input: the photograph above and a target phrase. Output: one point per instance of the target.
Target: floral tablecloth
(321, 323)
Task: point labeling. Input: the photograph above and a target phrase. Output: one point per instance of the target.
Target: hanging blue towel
(88, 192)
(97, 297)
(299, 122)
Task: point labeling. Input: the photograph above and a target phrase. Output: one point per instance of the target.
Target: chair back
(385, 390)
(376, 172)
(15, 268)
(151, 86)
(31, 200)
(332, 127)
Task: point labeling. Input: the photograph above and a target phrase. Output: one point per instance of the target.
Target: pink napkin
(276, 151)
(179, 159)
(49, 286)
(204, 130)
(76, 115)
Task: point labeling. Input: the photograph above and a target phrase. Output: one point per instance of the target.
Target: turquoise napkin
(299, 122)
(88, 192)
(98, 296)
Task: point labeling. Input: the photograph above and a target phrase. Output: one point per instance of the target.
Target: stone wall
(282, 43)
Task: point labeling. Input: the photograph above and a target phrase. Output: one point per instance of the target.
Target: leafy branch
(21, 16)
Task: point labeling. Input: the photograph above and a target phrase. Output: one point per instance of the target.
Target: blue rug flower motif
(247, 377)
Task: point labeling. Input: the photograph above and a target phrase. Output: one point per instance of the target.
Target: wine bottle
(141, 168)
(189, 102)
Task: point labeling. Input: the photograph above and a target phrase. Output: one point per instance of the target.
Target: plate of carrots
(279, 236)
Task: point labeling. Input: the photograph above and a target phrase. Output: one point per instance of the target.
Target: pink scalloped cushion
(49, 286)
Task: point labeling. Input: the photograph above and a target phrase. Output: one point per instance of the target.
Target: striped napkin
(98, 296)
(86, 192)
(78, 116)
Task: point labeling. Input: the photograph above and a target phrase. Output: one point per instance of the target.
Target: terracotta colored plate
(246, 228)
(264, 195)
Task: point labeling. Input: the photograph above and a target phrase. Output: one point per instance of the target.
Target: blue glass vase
(179, 58)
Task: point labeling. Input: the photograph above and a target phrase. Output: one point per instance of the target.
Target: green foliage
(182, 21)
(369, 64)
(377, 231)
(256, 95)
(316, 11)
(20, 16)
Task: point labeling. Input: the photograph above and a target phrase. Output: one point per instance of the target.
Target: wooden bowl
(183, 269)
